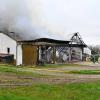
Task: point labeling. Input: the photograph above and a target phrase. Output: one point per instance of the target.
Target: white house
(8, 45)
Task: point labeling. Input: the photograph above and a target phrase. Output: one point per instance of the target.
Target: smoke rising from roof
(15, 16)
(11, 11)
(19, 18)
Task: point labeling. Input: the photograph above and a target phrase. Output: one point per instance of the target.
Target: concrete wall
(7, 42)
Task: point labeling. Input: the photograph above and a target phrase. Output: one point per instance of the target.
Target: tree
(95, 50)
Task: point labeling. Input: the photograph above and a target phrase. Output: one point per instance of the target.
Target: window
(8, 50)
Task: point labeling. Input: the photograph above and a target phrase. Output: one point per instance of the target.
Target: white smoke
(11, 11)
(15, 16)
(25, 17)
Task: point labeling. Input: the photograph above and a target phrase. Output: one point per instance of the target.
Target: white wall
(87, 51)
(7, 42)
(19, 55)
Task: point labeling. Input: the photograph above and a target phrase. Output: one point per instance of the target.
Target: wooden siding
(30, 55)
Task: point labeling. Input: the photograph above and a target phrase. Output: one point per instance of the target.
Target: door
(29, 55)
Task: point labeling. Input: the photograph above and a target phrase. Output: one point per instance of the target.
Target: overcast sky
(55, 16)
(69, 16)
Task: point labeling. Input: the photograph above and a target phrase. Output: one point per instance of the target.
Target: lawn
(18, 70)
(74, 91)
(44, 91)
(96, 72)
(57, 65)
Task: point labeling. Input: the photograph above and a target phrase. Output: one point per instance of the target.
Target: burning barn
(19, 50)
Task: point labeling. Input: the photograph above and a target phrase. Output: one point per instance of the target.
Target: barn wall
(77, 55)
(7, 42)
(78, 52)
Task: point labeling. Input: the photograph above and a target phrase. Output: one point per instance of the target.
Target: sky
(54, 16)
(69, 16)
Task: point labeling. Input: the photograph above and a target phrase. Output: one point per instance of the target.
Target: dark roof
(47, 41)
(36, 37)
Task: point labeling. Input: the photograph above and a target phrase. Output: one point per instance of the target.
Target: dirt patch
(13, 80)
(56, 76)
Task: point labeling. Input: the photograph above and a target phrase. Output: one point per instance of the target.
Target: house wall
(19, 60)
(7, 42)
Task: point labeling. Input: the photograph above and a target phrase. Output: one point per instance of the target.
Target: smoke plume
(15, 16)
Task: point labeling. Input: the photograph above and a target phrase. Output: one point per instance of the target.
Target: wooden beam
(54, 54)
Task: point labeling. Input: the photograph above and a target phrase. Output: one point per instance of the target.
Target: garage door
(29, 55)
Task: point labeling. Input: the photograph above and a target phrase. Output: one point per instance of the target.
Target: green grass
(57, 65)
(96, 72)
(38, 91)
(18, 71)
(43, 66)
(75, 91)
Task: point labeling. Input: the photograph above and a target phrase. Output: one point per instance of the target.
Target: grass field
(57, 65)
(18, 70)
(96, 72)
(41, 90)
(75, 91)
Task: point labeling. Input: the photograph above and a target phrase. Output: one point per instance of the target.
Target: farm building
(20, 50)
